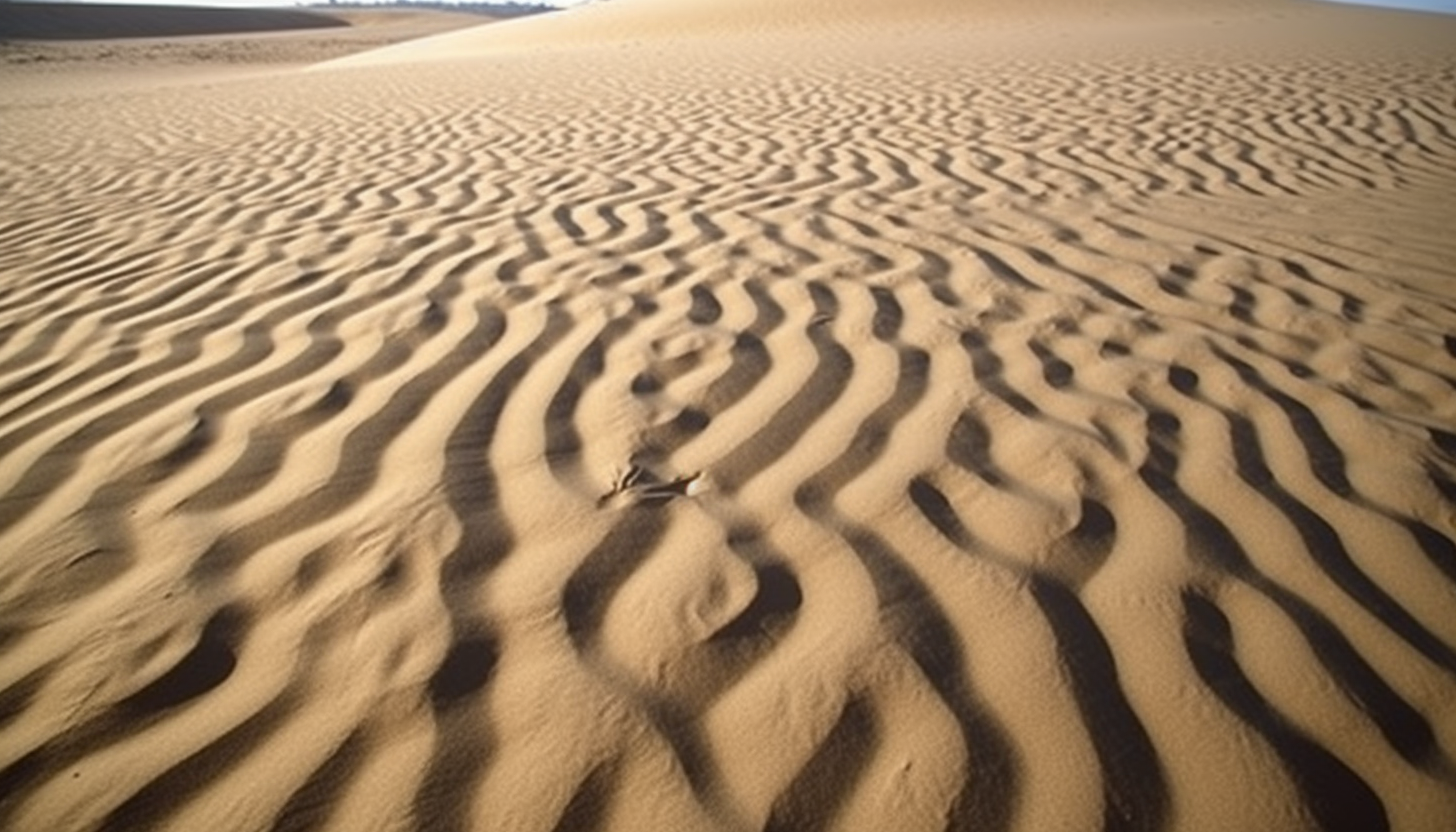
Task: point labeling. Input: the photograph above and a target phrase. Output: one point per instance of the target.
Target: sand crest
(741, 415)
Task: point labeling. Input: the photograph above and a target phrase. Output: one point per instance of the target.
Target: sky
(1448, 6)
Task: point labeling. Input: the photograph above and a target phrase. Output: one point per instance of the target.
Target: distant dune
(735, 416)
(85, 21)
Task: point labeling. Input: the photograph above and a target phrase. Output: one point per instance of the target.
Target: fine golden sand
(728, 415)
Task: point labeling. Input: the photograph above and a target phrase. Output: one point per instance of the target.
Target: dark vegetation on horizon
(27, 20)
(75, 21)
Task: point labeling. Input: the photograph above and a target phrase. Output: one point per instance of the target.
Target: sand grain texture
(951, 416)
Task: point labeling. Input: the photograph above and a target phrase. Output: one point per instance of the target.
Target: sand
(739, 415)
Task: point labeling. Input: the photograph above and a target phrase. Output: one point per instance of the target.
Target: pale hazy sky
(1431, 5)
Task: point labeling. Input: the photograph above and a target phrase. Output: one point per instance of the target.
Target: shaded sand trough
(705, 416)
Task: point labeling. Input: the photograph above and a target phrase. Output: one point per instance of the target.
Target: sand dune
(956, 416)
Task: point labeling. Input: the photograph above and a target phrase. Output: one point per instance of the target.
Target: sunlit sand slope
(965, 421)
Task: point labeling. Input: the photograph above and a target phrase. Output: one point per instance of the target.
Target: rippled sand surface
(710, 416)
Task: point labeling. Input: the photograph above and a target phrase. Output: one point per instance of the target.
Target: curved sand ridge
(914, 433)
(656, 22)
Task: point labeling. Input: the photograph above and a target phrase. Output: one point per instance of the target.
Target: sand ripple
(887, 436)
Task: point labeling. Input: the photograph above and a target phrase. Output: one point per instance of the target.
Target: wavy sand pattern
(967, 418)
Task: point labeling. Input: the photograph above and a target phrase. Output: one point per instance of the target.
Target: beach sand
(739, 415)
